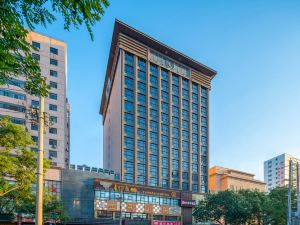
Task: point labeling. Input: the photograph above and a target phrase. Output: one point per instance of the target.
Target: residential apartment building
(14, 102)
(155, 108)
(276, 171)
(221, 179)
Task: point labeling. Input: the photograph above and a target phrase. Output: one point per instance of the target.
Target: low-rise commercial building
(221, 179)
(96, 196)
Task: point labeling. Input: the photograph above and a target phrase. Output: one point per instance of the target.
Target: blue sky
(255, 98)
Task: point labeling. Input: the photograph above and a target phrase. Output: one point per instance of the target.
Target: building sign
(169, 64)
(162, 222)
(109, 185)
(137, 222)
(133, 207)
(187, 203)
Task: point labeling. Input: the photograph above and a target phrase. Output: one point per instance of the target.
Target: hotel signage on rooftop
(169, 64)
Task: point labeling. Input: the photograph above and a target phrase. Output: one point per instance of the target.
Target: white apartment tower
(14, 102)
(276, 171)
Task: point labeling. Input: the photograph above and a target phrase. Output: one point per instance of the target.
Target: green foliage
(244, 207)
(17, 166)
(53, 209)
(15, 52)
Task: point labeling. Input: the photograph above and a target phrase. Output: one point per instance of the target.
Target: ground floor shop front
(137, 204)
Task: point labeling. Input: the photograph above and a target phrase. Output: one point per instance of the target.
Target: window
(129, 94)
(185, 83)
(52, 130)
(128, 178)
(164, 140)
(142, 99)
(128, 167)
(129, 59)
(15, 82)
(165, 150)
(128, 142)
(12, 94)
(141, 146)
(142, 75)
(53, 73)
(52, 154)
(129, 118)
(142, 64)
(165, 117)
(141, 157)
(53, 96)
(36, 45)
(129, 70)
(153, 69)
(36, 56)
(153, 92)
(54, 50)
(142, 122)
(53, 143)
(53, 107)
(165, 162)
(128, 155)
(35, 139)
(129, 82)
(142, 110)
(35, 104)
(185, 186)
(34, 126)
(142, 134)
(53, 119)
(141, 87)
(141, 169)
(128, 107)
(53, 62)
(195, 187)
(53, 84)
(164, 74)
(16, 120)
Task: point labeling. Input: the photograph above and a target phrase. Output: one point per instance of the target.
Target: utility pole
(40, 166)
(289, 212)
(298, 192)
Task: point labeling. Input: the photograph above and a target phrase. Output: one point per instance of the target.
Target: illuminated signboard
(130, 188)
(187, 203)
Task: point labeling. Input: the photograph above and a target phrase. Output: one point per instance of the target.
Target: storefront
(142, 204)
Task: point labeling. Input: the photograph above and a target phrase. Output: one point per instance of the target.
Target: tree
(245, 207)
(226, 207)
(53, 209)
(17, 165)
(277, 204)
(254, 202)
(15, 52)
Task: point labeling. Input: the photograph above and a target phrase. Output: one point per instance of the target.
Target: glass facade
(165, 127)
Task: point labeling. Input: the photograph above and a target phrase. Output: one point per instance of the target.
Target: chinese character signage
(109, 185)
(162, 222)
(169, 64)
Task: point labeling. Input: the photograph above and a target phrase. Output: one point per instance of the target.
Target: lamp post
(40, 167)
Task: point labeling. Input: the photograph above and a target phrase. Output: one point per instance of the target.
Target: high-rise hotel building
(16, 103)
(155, 107)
